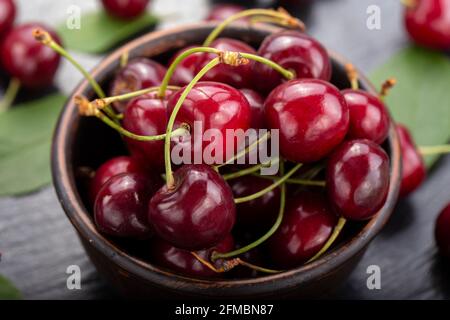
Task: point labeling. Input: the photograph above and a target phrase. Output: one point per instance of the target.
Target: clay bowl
(80, 141)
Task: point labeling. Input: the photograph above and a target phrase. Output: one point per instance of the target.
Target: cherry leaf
(8, 291)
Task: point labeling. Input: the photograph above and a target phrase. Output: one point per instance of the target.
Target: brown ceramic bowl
(80, 141)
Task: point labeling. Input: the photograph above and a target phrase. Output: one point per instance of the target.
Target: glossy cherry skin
(428, 23)
(259, 213)
(256, 102)
(357, 177)
(181, 261)
(187, 68)
(442, 232)
(7, 16)
(147, 116)
(198, 213)
(26, 59)
(312, 117)
(121, 205)
(413, 166)
(221, 12)
(215, 106)
(295, 51)
(139, 73)
(369, 118)
(307, 224)
(125, 9)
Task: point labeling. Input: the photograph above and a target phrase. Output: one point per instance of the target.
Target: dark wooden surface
(38, 243)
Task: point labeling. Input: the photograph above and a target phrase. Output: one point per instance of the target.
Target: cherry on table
(7, 16)
(221, 12)
(307, 224)
(442, 232)
(256, 102)
(311, 115)
(357, 179)
(369, 118)
(125, 9)
(198, 213)
(26, 59)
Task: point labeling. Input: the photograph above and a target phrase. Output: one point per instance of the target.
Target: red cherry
(139, 73)
(413, 166)
(358, 179)
(312, 117)
(198, 213)
(442, 232)
(223, 11)
(306, 226)
(256, 102)
(187, 68)
(7, 16)
(428, 23)
(295, 51)
(166, 255)
(216, 106)
(125, 9)
(369, 118)
(121, 205)
(24, 58)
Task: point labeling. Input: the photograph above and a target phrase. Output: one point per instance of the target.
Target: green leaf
(421, 97)
(25, 139)
(8, 291)
(100, 32)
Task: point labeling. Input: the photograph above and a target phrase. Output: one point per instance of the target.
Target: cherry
(7, 16)
(187, 68)
(223, 11)
(306, 227)
(139, 73)
(357, 177)
(259, 213)
(147, 115)
(111, 168)
(442, 233)
(428, 23)
(121, 205)
(166, 255)
(312, 117)
(198, 213)
(413, 167)
(125, 9)
(24, 58)
(256, 102)
(216, 106)
(294, 51)
(369, 118)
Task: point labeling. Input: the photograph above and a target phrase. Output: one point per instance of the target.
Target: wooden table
(38, 243)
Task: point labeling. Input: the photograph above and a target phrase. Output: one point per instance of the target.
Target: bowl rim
(64, 184)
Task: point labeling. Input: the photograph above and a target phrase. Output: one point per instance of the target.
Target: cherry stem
(304, 182)
(288, 74)
(10, 94)
(352, 75)
(337, 230)
(434, 150)
(409, 3)
(386, 87)
(248, 171)
(268, 234)
(124, 59)
(282, 17)
(255, 267)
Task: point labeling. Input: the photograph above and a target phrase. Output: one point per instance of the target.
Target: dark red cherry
(413, 166)
(259, 213)
(428, 23)
(442, 232)
(181, 261)
(215, 106)
(295, 51)
(256, 102)
(358, 179)
(26, 59)
(125, 9)
(122, 203)
(369, 118)
(307, 224)
(221, 12)
(187, 68)
(147, 116)
(139, 73)
(312, 117)
(198, 213)
(7, 16)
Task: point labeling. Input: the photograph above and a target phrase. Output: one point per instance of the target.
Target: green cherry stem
(434, 150)
(255, 267)
(337, 230)
(250, 170)
(10, 94)
(288, 74)
(304, 182)
(267, 235)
